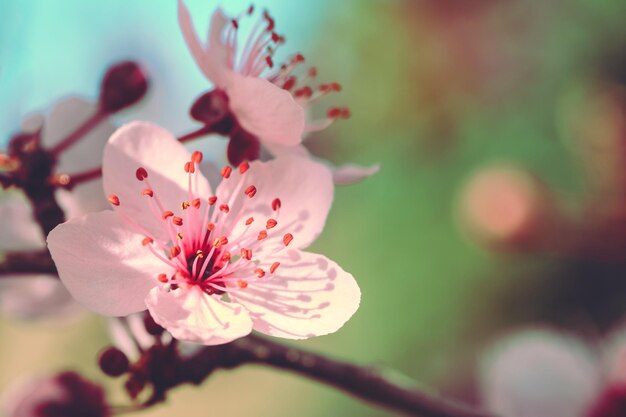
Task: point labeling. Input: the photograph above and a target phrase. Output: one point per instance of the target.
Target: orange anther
(250, 191)
(146, 241)
(148, 192)
(274, 266)
(113, 199)
(262, 235)
(167, 213)
(141, 173)
(196, 157)
(271, 223)
(243, 167)
(287, 239)
(226, 171)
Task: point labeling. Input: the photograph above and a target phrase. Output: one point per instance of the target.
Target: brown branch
(374, 385)
(27, 263)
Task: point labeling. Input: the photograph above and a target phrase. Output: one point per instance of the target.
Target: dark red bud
(151, 326)
(123, 85)
(113, 362)
(210, 108)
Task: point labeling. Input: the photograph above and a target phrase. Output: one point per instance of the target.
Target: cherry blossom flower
(208, 267)
(66, 394)
(542, 373)
(254, 102)
(40, 295)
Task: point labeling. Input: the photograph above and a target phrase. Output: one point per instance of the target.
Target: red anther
(177, 221)
(270, 223)
(141, 173)
(246, 253)
(289, 83)
(345, 113)
(184, 205)
(166, 214)
(334, 112)
(243, 167)
(250, 191)
(312, 72)
(287, 239)
(174, 251)
(324, 88)
(162, 278)
(235, 23)
(146, 241)
(196, 157)
(249, 221)
(195, 203)
(242, 284)
(297, 59)
(305, 91)
(220, 241)
(276, 204)
(226, 171)
(259, 273)
(277, 39)
(251, 9)
(190, 167)
(210, 226)
(212, 200)
(224, 208)
(113, 199)
(262, 235)
(274, 266)
(226, 256)
(179, 236)
(269, 61)
(148, 192)
(270, 22)
(335, 86)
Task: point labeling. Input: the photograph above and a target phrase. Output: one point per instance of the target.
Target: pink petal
(265, 110)
(149, 146)
(30, 297)
(343, 175)
(103, 264)
(308, 295)
(194, 316)
(212, 61)
(305, 190)
(541, 374)
(19, 231)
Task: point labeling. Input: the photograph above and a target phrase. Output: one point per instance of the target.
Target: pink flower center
(209, 244)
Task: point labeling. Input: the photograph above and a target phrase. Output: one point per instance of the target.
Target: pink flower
(41, 295)
(542, 373)
(254, 102)
(208, 267)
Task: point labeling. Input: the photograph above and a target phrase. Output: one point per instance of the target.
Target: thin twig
(27, 263)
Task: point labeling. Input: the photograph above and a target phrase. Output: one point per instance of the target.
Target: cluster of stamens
(256, 60)
(204, 245)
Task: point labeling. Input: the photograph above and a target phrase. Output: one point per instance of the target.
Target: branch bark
(27, 263)
(374, 385)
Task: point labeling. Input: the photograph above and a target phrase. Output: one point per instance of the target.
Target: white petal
(19, 231)
(304, 187)
(308, 295)
(541, 374)
(149, 146)
(35, 297)
(194, 316)
(103, 264)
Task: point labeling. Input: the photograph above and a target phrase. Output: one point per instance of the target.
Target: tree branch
(27, 263)
(377, 386)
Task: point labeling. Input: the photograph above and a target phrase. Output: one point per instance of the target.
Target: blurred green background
(438, 90)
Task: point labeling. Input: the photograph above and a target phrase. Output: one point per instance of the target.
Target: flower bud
(123, 85)
(66, 394)
(210, 108)
(113, 361)
(151, 326)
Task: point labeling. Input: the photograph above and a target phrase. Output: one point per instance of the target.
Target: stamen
(274, 266)
(226, 171)
(287, 239)
(148, 192)
(147, 241)
(276, 204)
(113, 199)
(141, 173)
(249, 221)
(262, 235)
(184, 205)
(166, 214)
(242, 284)
(243, 167)
(175, 251)
(212, 200)
(271, 223)
(162, 278)
(177, 221)
(250, 191)
(246, 253)
(260, 273)
(224, 208)
(179, 236)
(226, 256)
(195, 203)
(190, 167)
(196, 157)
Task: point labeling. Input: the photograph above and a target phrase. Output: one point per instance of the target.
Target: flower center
(210, 242)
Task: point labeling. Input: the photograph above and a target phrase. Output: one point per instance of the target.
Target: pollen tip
(195, 203)
(226, 171)
(212, 200)
(166, 214)
(211, 226)
(250, 191)
(242, 284)
(146, 241)
(190, 167)
(177, 221)
(148, 192)
(274, 266)
(244, 166)
(196, 157)
(224, 208)
(175, 251)
(226, 256)
(141, 173)
(113, 199)
(185, 205)
(276, 204)
(260, 273)
(162, 278)
(262, 235)
(179, 236)
(287, 239)
(271, 223)
(249, 221)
